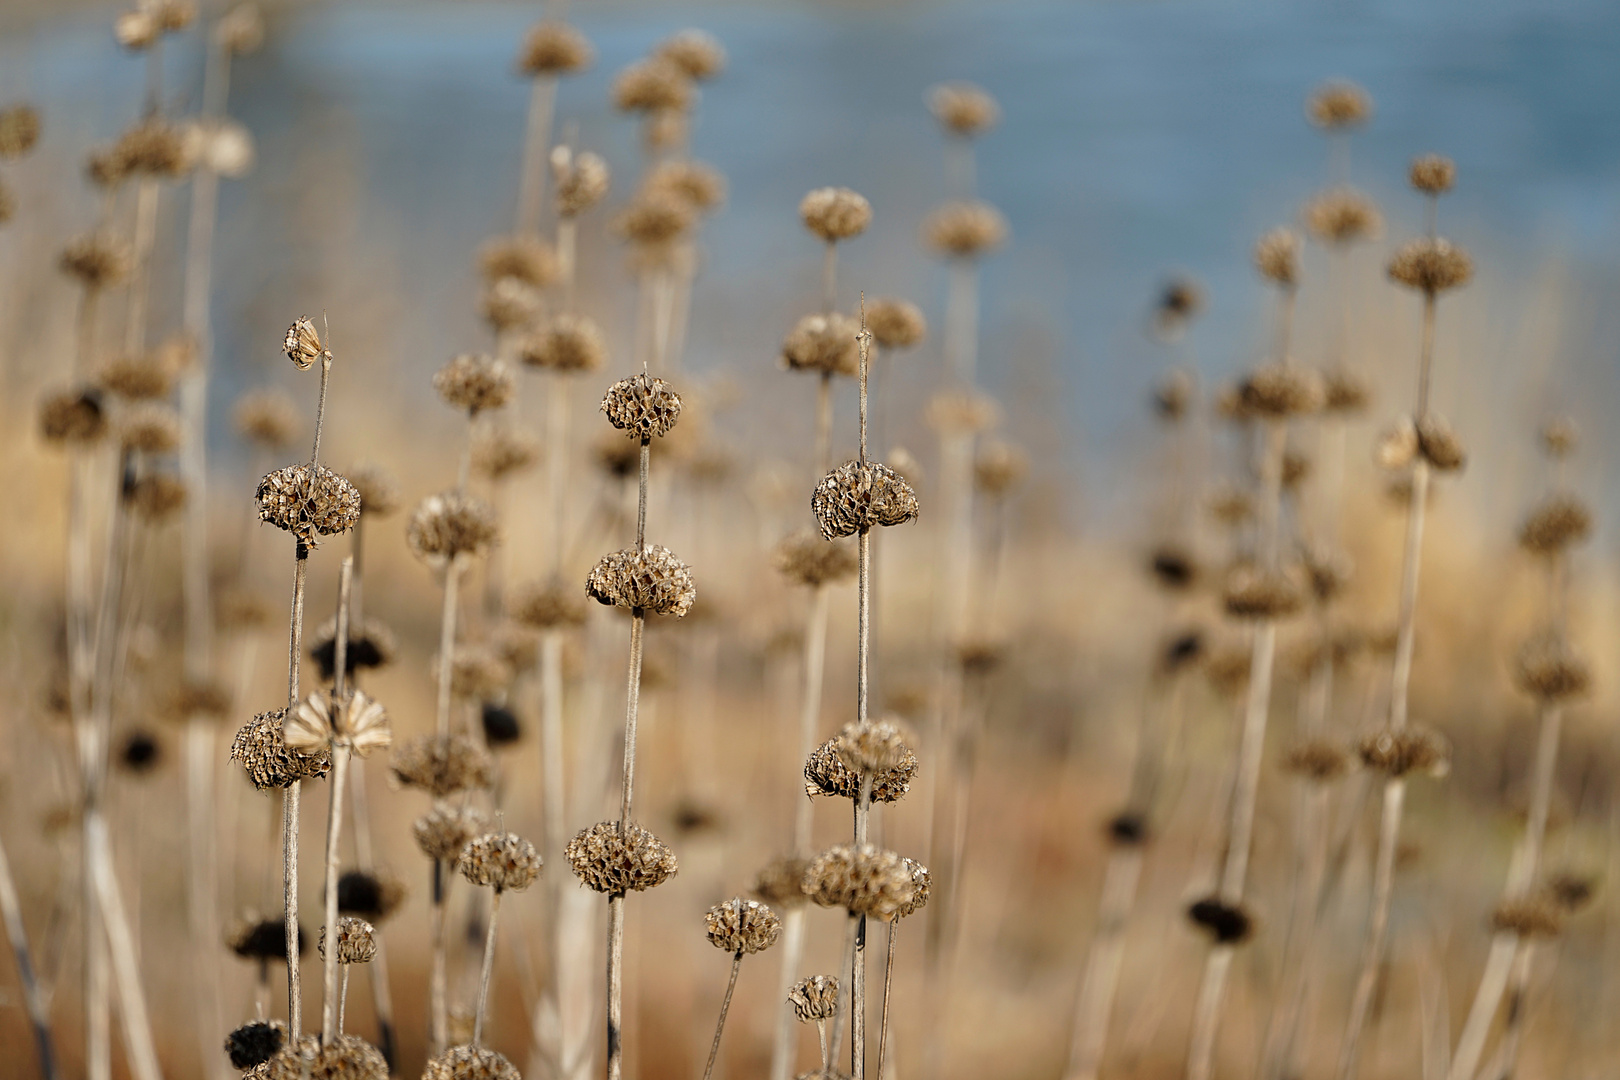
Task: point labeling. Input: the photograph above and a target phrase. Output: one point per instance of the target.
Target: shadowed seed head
(546, 605)
(509, 303)
(1433, 174)
(554, 48)
(356, 941)
(999, 467)
(1338, 105)
(255, 1043)
(806, 559)
(1557, 523)
(73, 417)
(1255, 593)
(781, 882)
(1431, 265)
(500, 452)
(742, 926)
(19, 130)
(1549, 669)
(503, 861)
(642, 406)
(1226, 924)
(379, 494)
(97, 260)
(372, 895)
(565, 343)
(964, 229)
(614, 862)
(267, 418)
(696, 52)
(1531, 917)
(442, 765)
(150, 428)
(156, 497)
(1341, 216)
(1319, 759)
(255, 938)
(525, 258)
(963, 109)
(654, 580)
(1412, 749)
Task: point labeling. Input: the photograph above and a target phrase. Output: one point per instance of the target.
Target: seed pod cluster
(742, 926)
(653, 580)
(614, 861)
(861, 495)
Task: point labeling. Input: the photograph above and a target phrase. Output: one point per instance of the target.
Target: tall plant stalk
(331, 1025)
(34, 1000)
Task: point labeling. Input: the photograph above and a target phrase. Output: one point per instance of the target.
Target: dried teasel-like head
(1561, 520)
(742, 926)
(1226, 924)
(345, 1057)
(356, 941)
(1320, 760)
(73, 417)
(1431, 265)
(1344, 392)
(781, 882)
(827, 344)
(308, 502)
(156, 497)
(964, 229)
(470, 1063)
(372, 895)
(609, 860)
(500, 452)
(895, 323)
(1411, 749)
(508, 304)
(698, 53)
(652, 86)
(860, 878)
(642, 406)
(475, 383)
(921, 883)
(1433, 174)
(702, 187)
(19, 130)
(443, 765)
(1529, 917)
(261, 750)
(555, 48)
(1338, 105)
(96, 260)
(565, 343)
(579, 181)
(1279, 391)
(451, 526)
(826, 774)
(861, 495)
(814, 999)
(149, 428)
(303, 344)
(254, 1043)
(526, 258)
(379, 494)
(547, 605)
(267, 418)
(652, 580)
(875, 747)
(1549, 669)
(963, 109)
(998, 468)
(1341, 216)
(1439, 443)
(502, 861)
(835, 213)
(1255, 593)
(807, 559)
(478, 673)
(444, 831)
(1276, 256)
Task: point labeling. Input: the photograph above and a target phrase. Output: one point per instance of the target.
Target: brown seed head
(241, 31)
(135, 30)
(444, 831)
(156, 149)
(1557, 523)
(702, 187)
(260, 749)
(518, 647)
(547, 605)
(373, 895)
(1282, 390)
(964, 229)
(254, 1043)
(653, 580)
(308, 503)
(499, 452)
(1559, 437)
(200, 699)
(379, 495)
(921, 881)
(826, 344)
(142, 377)
(835, 213)
(614, 862)
(565, 343)
(451, 526)
(19, 130)
(642, 406)
(1276, 256)
(876, 747)
(303, 343)
(826, 774)
(150, 428)
(999, 467)
(895, 323)
(963, 109)
(525, 258)
(696, 52)
(653, 85)
(502, 861)
(1439, 444)
(1433, 174)
(1253, 593)
(173, 16)
(782, 882)
(555, 48)
(742, 926)
(475, 383)
(1549, 669)
(858, 496)
(266, 417)
(814, 999)
(1231, 506)
(509, 303)
(1528, 918)
(1412, 749)
(1173, 394)
(470, 1063)
(1431, 265)
(579, 180)
(97, 260)
(478, 673)
(1341, 216)
(241, 609)
(156, 497)
(806, 559)
(1174, 567)
(443, 765)
(617, 458)
(1319, 759)
(1344, 392)
(862, 879)
(73, 417)
(1226, 924)
(346, 1057)
(356, 941)
(1337, 105)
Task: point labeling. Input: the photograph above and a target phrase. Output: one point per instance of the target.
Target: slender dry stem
(487, 970)
(725, 1007)
(331, 1025)
(33, 998)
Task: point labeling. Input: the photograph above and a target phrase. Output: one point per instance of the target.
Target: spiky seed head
(1279, 391)
(303, 343)
(268, 418)
(806, 559)
(964, 229)
(921, 883)
(1276, 256)
(73, 417)
(862, 879)
(642, 406)
(999, 467)
(156, 497)
(501, 860)
(547, 605)
(442, 765)
(963, 109)
(858, 496)
(1560, 521)
(835, 213)
(1530, 917)
(1341, 216)
(826, 344)
(475, 383)
(356, 941)
(1431, 265)
(241, 30)
(1439, 444)
(875, 747)
(509, 303)
(651, 86)
(470, 1063)
(500, 452)
(1559, 437)
(781, 882)
(814, 999)
(1255, 593)
(445, 830)
(309, 503)
(1411, 749)
(616, 862)
(526, 258)
(255, 1043)
(150, 428)
(579, 181)
(702, 187)
(1433, 174)
(97, 260)
(450, 526)
(346, 1057)
(565, 343)
(826, 774)
(696, 52)
(1344, 392)
(372, 895)
(1549, 669)
(19, 130)
(1320, 760)
(654, 580)
(742, 926)
(1226, 924)
(379, 494)
(261, 750)
(1338, 105)
(555, 48)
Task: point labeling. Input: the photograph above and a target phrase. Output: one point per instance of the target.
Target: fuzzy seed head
(862, 879)
(654, 85)
(875, 747)
(961, 412)
(97, 260)
(963, 109)
(826, 344)
(655, 219)
(19, 130)
(1174, 394)
(200, 699)
(998, 468)
(451, 526)
(73, 417)
(346, 1057)
(653, 580)
(565, 343)
(500, 452)
(1226, 924)
(525, 258)
(782, 882)
(255, 1043)
(143, 377)
(509, 303)
(965, 229)
(1433, 174)
(1320, 760)
(742, 926)
(135, 30)
(478, 673)
(815, 998)
(267, 418)
(696, 52)
(1174, 567)
(156, 149)
(1431, 265)
(547, 605)
(642, 406)
(150, 428)
(1276, 256)
(470, 1063)
(308, 503)
(702, 187)
(858, 496)
(261, 749)
(444, 831)
(835, 213)
(1412, 749)
(1439, 444)
(555, 48)
(356, 941)
(826, 774)
(241, 609)
(895, 323)
(1549, 669)
(1557, 523)
(502, 861)
(1341, 216)
(156, 497)
(475, 383)
(1278, 391)
(241, 31)
(614, 862)
(806, 559)
(379, 494)
(1338, 105)
(1253, 593)
(372, 895)
(580, 181)
(1344, 392)
(1531, 917)
(443, 765)
(1559, 437)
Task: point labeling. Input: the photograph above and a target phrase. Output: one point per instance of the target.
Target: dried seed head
(137, 378)
(1174, 394)
(806, 559)
(241, 609)
(742, 926)
(1412, 749)
(475, 383)
(372, 895)
(614, 862)
(656, 218)
(1398, 447)
(223, 147)
(451, 526)
(156, 497)
(1560, 437)
(470, 1063)
(73, 417)
(1344, 392)
(1557, 523)
(1276, 256)
(200, 699)
(19, 130)
(961, 412)
(478, 673)
(1431, 265)
(303, 343)
(135, 30)
(547, 605)
(1278, 391)
(442, 765)
(1433, 174)
(255, 1043)
(157, 149)
(150, 429)
(97, 260)
(963, 109)
(980, 656)
(702, 187)
(862, 879)
(565, 343)
(964, 229)
(1254, 593)
(858, 496)
(139, 754)
(1549, 669)
(999, 467)
(1528, 918)
(617, 458)
(921, 881)
(501, 726)
(835, 213)
(379, 495)
(579, 180)
(266, 417)
(826, 774)
(1319, 759)
(895, 323)
(360, 723)
(1179, 302)
(653, 580)
(642, 406)
(241, 30)
(356, 941)
(1341, 216)
(653, 85)
(518, 647)
(555, 48)
(444, 831)
(1181, 648)
(1127, 829)
(261, 750)
(308, 503)
(509, 303)
(875, 747)
(1439, 444)
(1174, 567)
(255, 938)
(1569, 892)
(499, 452)
(1226, 924)
(696, 52)
(815, 998)
(782, 882)
(346, 1057)
(1337, 105)
(826, 344)
(504, 861)
(525, 258)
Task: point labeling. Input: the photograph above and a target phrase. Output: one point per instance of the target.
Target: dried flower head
(241, 30)
(814, 999)
(135, 30)
(1433, 174)
(1439, 444)
(499, 452)
(999, 467)
(509, 303)
(702, 187)
(742, 926)
(501, 725)
(1319, 759)
(565, 343)
(826, 774)
(478, 673)
(874, 747)
(964, 229)
(580, 181)
(858, 496)
(963, 109)
(642, 406)
(254, 1043)
(1337, 105)
(443, 765)
(1278, 391)
(303, 344)
(835, 213)
(1226, 924)
(356, 941)
(1276, 256)
(1343, 392)
(372, 895)
(261, 750)
(73, 417)
(320, 721)
(1431, 265)
(156, 497)
(1548, 668)
(961, 412)
(921, 882)
(652, 580)
(345, 1057)
(19, 130)
(1557, 523)
(862, 879)
(266, 417)
(451, 526)
(616, 862)
(379, 495)
(1412, 749)
(806, 559)
(547, 605)
(157, 149)
(150, 428)
(654, 85)
(1559, 437)
(308, 502)
(781, 882)
(826, 344)
(895, 323)
(256, 938)
(656, 217)
(470, 1063)
(1255, 593)
(475, 383)
(140, 377)
(1342, 216)
(503, 861)
(696, 52)
(1528, 918)
(555, 48)
(526, 258)
(97, 260)
(445, 830)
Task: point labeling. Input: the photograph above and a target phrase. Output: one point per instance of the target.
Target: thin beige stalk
(615, 987)
(487, 970)
(137, 1028)
(725, 1007)
(536, 144)
(447, 645)
(1103, 961)
(331, 1026)
(1506, 1060)
(438, 1006)
(829, 278)
(34, 1000)
(888, 988)
(784, 1044)
(146, 209)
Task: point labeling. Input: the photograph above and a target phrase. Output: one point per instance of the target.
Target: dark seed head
(254, 1044)
(1128, 828)
(501, 725)
(1227, 923)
